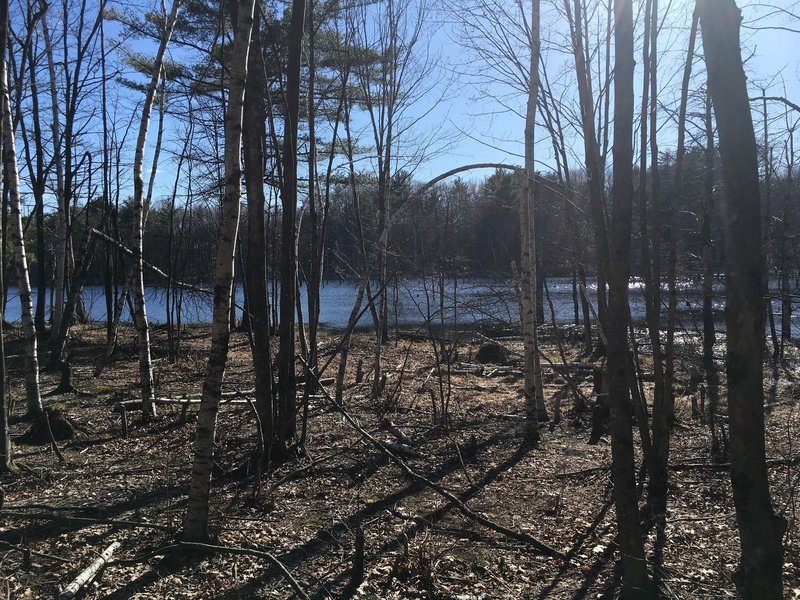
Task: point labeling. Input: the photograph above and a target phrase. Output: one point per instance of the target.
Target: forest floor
(131, 487)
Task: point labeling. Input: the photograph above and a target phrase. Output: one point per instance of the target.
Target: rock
(492, 353)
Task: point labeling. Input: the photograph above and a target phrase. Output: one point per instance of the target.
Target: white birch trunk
(60, 253)
(534, 399)
(140, 308)
(33, 397)
(196, 523)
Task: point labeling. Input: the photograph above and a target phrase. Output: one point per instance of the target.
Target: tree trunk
(766, 234)
(287, 383)
(592, 158)
(709, 333)
(32, 394)
(650, 241)
(254, 136)
(196, 523)
(533, 383)
(137, 206)
(6, 462)
(663, 414)
(786, 251)
(59, 257)
(635, 581)
(37, 175)
(85, 255)
(760, 529)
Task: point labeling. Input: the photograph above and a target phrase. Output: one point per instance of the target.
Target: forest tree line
(462, 228)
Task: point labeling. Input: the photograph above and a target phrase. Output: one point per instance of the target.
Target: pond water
(417, 301)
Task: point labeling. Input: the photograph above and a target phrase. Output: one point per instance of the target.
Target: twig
(311, 465)
(248, 552)
(582, 472)
(711, 518)
(60, 456)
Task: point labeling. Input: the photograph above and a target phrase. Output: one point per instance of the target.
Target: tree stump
(65, 385)
(37, 434)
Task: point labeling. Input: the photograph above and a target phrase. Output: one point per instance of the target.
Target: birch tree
(32, 393)
(196, 522)
(140, 308)
(534, 397)
(5, 435)
(504, 56)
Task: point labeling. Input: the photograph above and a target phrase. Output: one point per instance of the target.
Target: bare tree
(500, 37)
(140, 308)
(254, 138)
(709, 332)
(534, 394)
(32, 393)
(287, 382)
(6, 460)
(196, 522)
(635, 580)
(760, 529)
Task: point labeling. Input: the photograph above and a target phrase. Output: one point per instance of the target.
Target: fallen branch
(25, 550)
(773, 462)
(88, 573)
(226, 549)
(126, 405)
(466, 511)
(560, 367)
(248, 552)
(123, 248)
(74, 519)
(289, 476)
(582, 472)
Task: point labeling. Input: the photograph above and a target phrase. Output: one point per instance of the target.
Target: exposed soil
(307, 512)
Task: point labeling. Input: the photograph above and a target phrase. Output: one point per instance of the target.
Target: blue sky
(772, 55)
(480, 130)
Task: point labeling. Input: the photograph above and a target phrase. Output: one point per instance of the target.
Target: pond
(414, 302)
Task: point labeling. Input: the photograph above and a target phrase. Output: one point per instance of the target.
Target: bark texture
(140, 307)
(635, 581)
(33, 396)
(760, 529)
(196, 523)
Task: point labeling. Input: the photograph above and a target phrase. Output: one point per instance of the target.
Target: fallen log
(127, 405)
(475, 371)
(788, 461)
(504, 371)
(559, 367)
(88, 573)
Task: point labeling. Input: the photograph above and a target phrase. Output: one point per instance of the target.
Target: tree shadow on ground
(324, 538)
(56, 524)
(576, 547)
